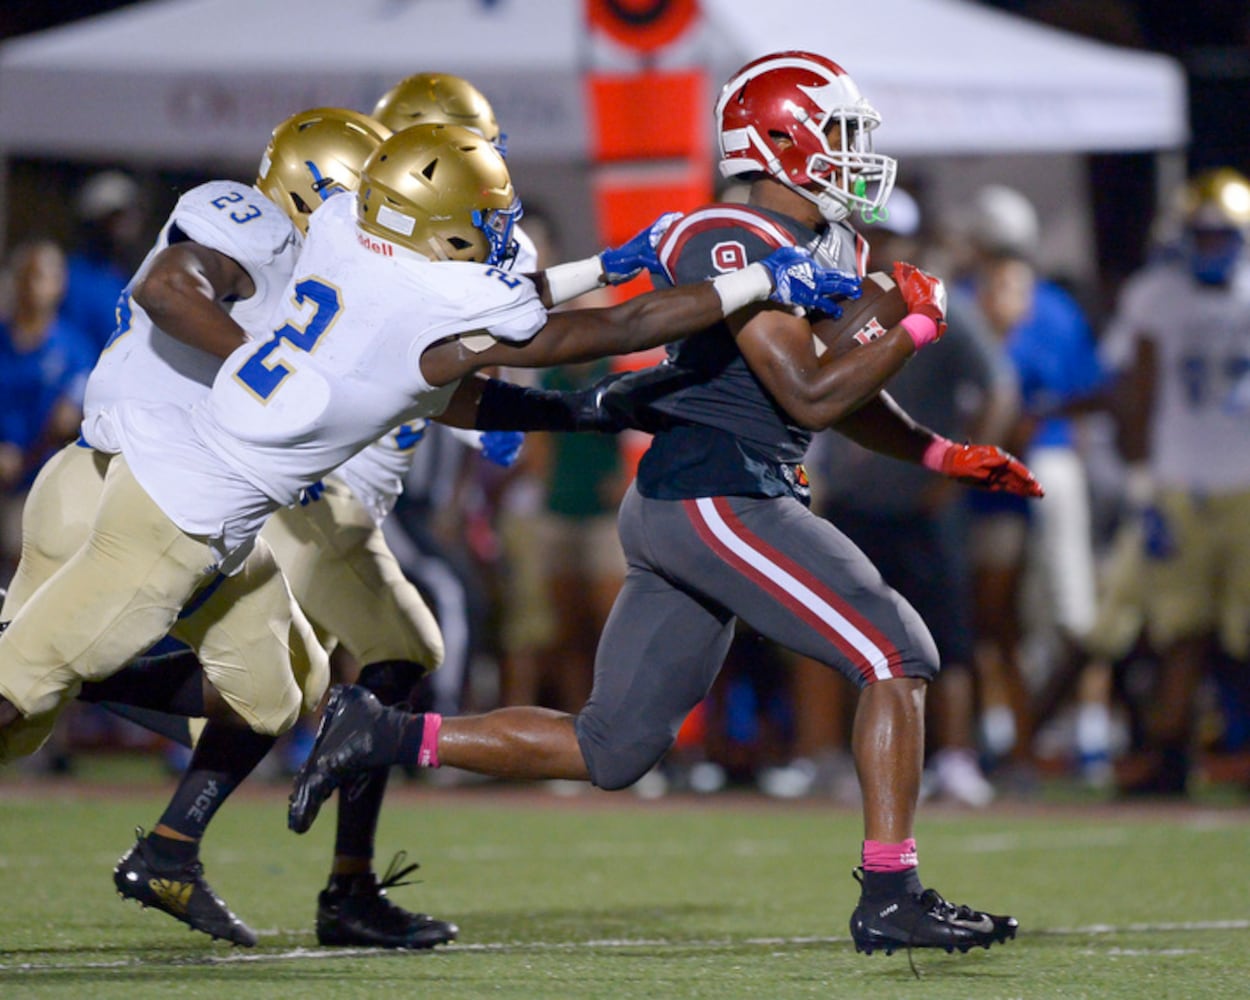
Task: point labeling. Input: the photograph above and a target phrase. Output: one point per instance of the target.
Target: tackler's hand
(502, 447)
(800, 281)
(311, 494)
(637, 254)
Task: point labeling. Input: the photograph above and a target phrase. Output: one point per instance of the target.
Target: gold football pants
(124, 588)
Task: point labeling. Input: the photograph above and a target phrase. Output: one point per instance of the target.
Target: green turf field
(605, 896)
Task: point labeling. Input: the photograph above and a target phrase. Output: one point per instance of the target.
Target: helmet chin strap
(832, 208)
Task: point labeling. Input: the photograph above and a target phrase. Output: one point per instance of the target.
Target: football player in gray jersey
(717, 527)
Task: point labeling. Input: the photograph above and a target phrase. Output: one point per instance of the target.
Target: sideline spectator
(110, 247)
(1183, 323)
(586, 481)
(44, 362)
(1049, 341)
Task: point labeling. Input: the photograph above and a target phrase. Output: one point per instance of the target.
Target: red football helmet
(777, 116)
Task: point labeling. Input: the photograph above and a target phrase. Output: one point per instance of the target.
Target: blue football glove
(502, 447)
(800, 281)
(636, 255)
(311, 494)
(1156, 534)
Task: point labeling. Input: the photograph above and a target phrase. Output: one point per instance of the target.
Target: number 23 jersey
(141, 361)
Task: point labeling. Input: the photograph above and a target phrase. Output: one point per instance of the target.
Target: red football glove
(923, 293)
(982, 465)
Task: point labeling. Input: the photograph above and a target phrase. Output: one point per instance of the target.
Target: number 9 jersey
(141, 362)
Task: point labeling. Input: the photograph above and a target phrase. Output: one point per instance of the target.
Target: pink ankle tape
(935, 452)
(879, 857)
(428, 756)
(921, 328)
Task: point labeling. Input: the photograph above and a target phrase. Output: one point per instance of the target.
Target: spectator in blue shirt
(44, 363)
(109, 249)
(1051, 345)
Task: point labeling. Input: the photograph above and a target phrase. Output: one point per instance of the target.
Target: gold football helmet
(1215, 214)
(442, 191)
(1217, 199)
(315, 154)
(442, 99)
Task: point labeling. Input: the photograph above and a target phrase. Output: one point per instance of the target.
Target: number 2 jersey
(141, 362)
(376, 475)
(341, 370)
(717, 431)
(1200, 425)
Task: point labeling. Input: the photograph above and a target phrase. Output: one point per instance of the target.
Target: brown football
(879, 307)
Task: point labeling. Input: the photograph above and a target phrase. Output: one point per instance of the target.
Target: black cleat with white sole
(924, 920)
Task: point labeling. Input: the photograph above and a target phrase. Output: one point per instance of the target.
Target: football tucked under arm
(879, 307)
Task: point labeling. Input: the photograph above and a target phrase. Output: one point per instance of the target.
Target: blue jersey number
(508, 279)
(1207, 380)
(263, 377)
(225, 201)
(123, 314)
(407, 435)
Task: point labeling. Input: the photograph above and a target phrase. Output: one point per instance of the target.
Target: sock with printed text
(890, 869)
(223, 757)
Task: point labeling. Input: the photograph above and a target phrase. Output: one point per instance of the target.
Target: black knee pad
(391, 680)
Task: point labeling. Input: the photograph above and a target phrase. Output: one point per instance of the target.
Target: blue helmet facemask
(497, 224)
(1213, 253)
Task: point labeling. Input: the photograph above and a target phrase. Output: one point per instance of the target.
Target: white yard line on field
(621, 944)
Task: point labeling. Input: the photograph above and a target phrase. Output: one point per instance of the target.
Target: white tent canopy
(185, 81)
(181, 80)
(952, 77)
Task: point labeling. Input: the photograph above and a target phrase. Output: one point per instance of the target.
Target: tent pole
(4, 201)
(1171, 170)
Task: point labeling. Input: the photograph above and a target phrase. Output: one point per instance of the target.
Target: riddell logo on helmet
(869, 332)
(377, 246)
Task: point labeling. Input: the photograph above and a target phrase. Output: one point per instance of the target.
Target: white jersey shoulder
(526, 259)
(144, 364)
(237, 220)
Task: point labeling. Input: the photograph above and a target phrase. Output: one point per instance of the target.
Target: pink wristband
(921, 328)
(429, 740)
(936, 451)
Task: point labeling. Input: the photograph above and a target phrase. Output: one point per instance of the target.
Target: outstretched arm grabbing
(788, 277)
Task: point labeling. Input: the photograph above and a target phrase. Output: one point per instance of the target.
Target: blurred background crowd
(1098, 635)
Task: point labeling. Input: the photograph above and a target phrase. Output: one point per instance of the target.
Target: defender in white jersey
(1183, 327)
(217, 271)
(229, 236)
(337, 563)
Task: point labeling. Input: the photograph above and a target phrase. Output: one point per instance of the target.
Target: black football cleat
(353, 911)
(357, 732)
(924, 920)
(181, 892)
